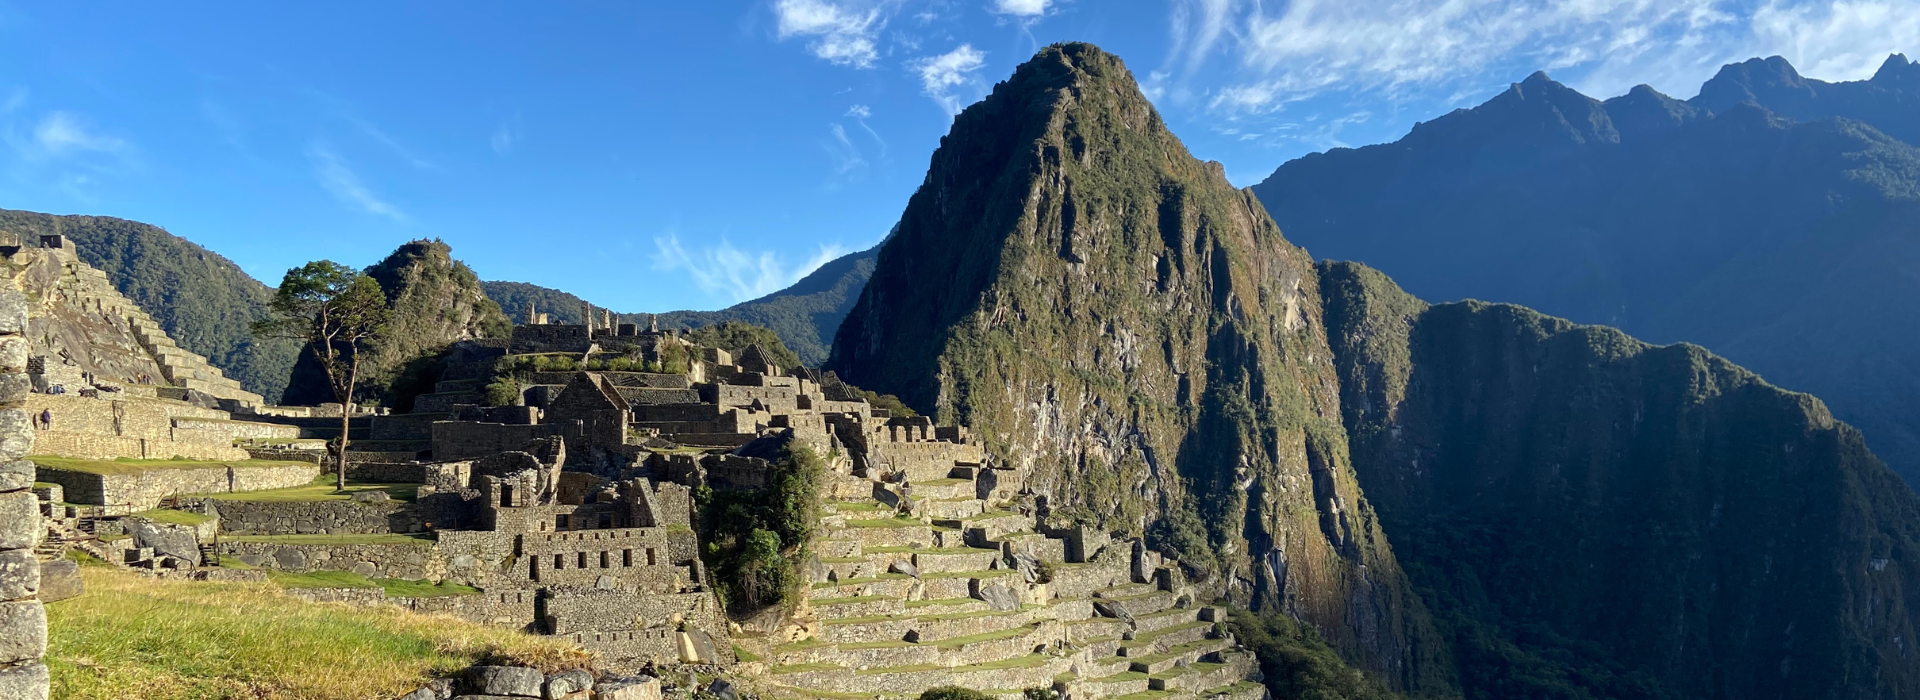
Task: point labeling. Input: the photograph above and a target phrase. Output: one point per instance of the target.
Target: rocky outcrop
(1113, 317)
(436, 301)
(23, 622)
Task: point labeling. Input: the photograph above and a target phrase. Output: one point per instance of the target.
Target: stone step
(1112, 686)
(947, 606)
(892, 585)
(1233, 666)
(1183, 654)
(959, 584)
(1154, 622)
(896, 653)
(933, 561)
(883, 532)
(1159, 641)
(951, 509)
(1097, 628)
(858, 606)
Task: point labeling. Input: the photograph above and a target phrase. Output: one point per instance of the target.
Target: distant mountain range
(1774, 219)
(805, 315)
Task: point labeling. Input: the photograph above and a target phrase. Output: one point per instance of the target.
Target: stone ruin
(572, 512)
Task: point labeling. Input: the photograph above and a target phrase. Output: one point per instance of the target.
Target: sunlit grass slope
(136, 637)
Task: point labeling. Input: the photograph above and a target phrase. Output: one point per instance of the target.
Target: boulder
(23, 631)
(902, 567)
(60, 580)
(505, 680)
(172, 540)
(635, 688)
(720, 688)
(290, 559)
(565, 684)
(1000, 597)
(372, 497)
(697, 648)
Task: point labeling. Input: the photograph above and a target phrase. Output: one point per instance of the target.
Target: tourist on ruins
(46, 419)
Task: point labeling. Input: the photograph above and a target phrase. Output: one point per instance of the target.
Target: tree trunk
(346, 419)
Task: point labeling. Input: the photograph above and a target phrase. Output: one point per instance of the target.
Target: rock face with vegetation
(436, 301)
(1591, 516)
(805, 314)
(202, 300)
(1109, 313)
(1774, 219)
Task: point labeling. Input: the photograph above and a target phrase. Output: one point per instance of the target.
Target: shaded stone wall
(388, 472)
(23, 622)
(126, 493)
(433, 512)
(407, 561)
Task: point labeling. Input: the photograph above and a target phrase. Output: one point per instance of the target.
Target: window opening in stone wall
(582, 558)
(559, 562)
(606, 560)
(533, 569)
(506, 495)
(626, 557)
(649, 556)
(606, 521)
(560, 522)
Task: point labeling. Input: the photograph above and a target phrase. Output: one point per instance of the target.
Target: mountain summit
(1106, 310)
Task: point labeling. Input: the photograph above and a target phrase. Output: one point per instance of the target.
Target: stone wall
(388, 472)
(405, 561)
(456, 440)
(142, 428)
(435, 511)
(127, 493)
(23, 622)
(549, 338)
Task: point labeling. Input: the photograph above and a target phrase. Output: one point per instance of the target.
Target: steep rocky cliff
(1591, 516)
(436, 301)
(1110, 313)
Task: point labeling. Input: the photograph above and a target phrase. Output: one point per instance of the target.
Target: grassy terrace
(322, 489)
(884, 522)
(1178, 671)
(173, 517)
(113, 467)
(862, 580)
(990, 573)
(1173, 652)
(1028, 661)
(1146, 695)
(937, 551)
(164, 639)
(950, 643)
(417, 540)
(940, 602)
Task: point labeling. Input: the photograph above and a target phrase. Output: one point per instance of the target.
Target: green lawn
(162, 639)
(107, 467)
(395, 587)
(322, 489)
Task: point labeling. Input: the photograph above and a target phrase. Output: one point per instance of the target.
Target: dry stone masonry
(23, 622)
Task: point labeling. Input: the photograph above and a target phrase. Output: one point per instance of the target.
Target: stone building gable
(586, 394)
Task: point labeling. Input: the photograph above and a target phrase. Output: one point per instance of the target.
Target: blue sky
(663, 155)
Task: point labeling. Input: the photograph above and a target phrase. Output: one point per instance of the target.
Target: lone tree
(336, 310)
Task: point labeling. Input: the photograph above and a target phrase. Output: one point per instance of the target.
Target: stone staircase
(179, 367)
(926, 584)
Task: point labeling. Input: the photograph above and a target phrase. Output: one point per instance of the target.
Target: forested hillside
(805, 314)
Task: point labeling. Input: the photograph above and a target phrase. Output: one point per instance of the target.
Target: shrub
(953, 692)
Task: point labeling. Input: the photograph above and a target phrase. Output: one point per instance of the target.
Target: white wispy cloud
(846, 156)
(338, 179)
(939, 75)
(1298, 50)
(60, 133)
(399, 149)
(731, 275)
(1021, 8)
(1839, 40)
(843, 33)
(502, 139)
